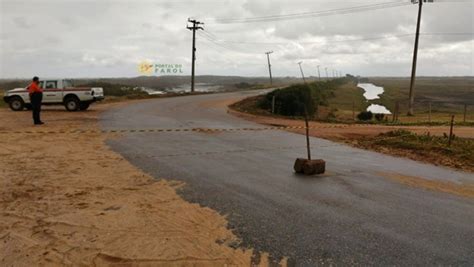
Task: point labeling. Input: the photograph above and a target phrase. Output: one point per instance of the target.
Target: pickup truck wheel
(16, 104)
(72, 103)
(84, 105)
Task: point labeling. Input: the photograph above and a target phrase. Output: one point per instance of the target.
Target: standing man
(36, 96)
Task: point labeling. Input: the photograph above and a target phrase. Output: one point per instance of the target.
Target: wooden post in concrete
(307, 133)
(309, 166)
(451, 131)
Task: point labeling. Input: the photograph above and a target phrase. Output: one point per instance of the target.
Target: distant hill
(167, 82)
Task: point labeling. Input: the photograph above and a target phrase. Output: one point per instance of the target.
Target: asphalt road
(353, 214)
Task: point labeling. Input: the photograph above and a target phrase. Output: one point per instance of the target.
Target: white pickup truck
(56, 92)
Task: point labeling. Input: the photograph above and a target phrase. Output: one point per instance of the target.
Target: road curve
(354, 214)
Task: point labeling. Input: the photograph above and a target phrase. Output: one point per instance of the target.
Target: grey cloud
(108, 38)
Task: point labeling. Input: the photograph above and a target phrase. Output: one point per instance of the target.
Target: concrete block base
(310, 167)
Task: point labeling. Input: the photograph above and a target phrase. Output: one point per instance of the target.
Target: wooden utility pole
(194, 28)
(301, 69)
(327, 76)
(415, 57)
(269, 66)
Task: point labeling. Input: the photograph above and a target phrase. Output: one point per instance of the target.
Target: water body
(198, 87)
(374, 108)
(373, 92)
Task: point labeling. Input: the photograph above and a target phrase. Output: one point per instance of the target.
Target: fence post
(429, 114)
(451, 130)
(465, 112)
(394, 113)
(397, 110)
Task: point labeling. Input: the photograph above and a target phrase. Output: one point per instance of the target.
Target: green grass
(447, 97)
(446, 94)
(344, 97)
(460, 154)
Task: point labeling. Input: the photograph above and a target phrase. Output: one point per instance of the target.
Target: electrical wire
(302, 15)
(216, 39)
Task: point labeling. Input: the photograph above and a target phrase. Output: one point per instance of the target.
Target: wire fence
(433, 111)
(397, 111)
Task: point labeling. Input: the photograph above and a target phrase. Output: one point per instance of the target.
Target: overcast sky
(69, 38)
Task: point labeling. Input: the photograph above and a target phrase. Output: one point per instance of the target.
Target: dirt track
(67, 199)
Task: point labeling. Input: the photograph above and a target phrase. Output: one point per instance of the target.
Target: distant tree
(379, 116)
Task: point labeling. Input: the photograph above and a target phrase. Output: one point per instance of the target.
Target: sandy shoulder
(68, 199)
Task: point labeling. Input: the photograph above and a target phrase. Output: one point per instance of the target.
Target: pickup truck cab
(56, 92)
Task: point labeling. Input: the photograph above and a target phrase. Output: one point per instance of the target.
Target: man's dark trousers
(36, 99)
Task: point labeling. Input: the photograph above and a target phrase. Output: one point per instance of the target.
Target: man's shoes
(39, 123)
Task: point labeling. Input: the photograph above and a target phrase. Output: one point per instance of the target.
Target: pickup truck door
(53, 92)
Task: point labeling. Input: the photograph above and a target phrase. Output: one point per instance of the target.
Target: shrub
(365, 116)
(379, 116)
(290, 101)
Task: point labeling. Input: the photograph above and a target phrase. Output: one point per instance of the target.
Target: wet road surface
(353, 214)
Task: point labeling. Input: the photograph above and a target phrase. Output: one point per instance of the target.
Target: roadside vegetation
(343, 102)
(2, 103)
(424, 147)
(291, 101)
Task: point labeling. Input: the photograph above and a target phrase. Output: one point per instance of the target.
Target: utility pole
(319, 74)
(327, 76)
(415, 56)
(194, 28)
(269, 66)
(301, 69)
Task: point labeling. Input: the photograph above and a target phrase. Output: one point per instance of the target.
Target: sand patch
(464, 190)
(66, 199)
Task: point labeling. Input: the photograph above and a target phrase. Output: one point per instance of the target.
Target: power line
(216, 39)
(214, 42)
(302, 15)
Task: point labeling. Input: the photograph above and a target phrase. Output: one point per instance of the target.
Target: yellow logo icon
(145, 67)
